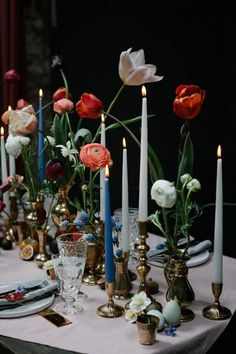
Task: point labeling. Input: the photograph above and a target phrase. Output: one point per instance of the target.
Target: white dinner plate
(28, 309)
(194, 261)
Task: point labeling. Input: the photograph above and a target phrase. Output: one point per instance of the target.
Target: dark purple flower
(54, 169)
(2, 205)
(56, 61)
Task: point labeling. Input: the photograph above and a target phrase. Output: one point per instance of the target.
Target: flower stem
(65, 82)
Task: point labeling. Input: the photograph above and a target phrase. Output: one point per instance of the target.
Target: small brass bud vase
(122, 281)
(180, 288)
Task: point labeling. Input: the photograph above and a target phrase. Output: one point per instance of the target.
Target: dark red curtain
(10, 51)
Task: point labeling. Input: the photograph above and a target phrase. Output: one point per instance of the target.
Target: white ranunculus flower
(139, 302)
(13, 145)
(133, 71)
(194, 185)
(24, 140)
(164, 193)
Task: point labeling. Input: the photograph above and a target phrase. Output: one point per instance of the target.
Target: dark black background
(189, 44)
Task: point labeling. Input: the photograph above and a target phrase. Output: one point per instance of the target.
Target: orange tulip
(89, 106)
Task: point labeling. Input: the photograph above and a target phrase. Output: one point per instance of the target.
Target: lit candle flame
(102, 118)
(144, 92)
(219, 152)
(2, 131)
(107, 171)
(40, 93)
(9, 108)
(124, 143)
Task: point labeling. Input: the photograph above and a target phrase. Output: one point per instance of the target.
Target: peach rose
(23, 121)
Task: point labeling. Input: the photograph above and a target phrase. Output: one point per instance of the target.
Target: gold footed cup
(146, 332)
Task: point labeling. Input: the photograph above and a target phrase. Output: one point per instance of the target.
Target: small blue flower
(118, 252)
(89, 237)
(113, 222)
(161, 246)
(65, 223)
(117, 227)
(21, 289)
(84, 216)
(79, 223)
(115, 240)
(170, 331)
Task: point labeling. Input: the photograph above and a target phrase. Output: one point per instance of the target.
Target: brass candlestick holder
(122, 280)
(216, 311)
(110, 310)
(143, 268)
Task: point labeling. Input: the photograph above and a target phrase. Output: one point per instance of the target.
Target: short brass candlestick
(110, 310)
(143, 268)
(216, 311)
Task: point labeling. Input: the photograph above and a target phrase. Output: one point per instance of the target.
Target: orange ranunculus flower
(59, 94)
(189, 101)
(89, 106)
(95, 156)
(63, 105)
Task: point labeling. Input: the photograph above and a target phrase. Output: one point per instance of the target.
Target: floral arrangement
(73, 153)
(176, 209)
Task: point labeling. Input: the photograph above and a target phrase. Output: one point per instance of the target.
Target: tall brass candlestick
(216, 311)
(143, 268)
(110, 310)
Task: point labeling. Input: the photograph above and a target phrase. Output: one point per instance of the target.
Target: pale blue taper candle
(109, 256)
(41, 162)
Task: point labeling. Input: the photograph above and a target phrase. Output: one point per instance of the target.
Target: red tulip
(95, 156)
(89, 106)
(59, 94)
(189, 101)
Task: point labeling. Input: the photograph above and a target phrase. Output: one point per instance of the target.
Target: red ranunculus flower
(95, 156)
(2, 205)
(54, 170)
(89, 106)
(59, 94)
(21, 103)
(11, 76)
(189, 101)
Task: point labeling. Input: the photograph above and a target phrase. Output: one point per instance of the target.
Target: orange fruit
(27, 253)
(31, 242)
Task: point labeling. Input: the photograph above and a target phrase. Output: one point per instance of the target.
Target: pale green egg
(172, 313)
(159, 315)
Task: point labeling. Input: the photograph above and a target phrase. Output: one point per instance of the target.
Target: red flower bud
(89, 106)
(60, 94)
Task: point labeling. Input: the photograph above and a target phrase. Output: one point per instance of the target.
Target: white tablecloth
(92, 334)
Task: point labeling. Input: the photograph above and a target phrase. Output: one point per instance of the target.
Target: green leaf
(186, 163)
(85, 134)
(156, 171)
(127, 122)
(60, 130)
